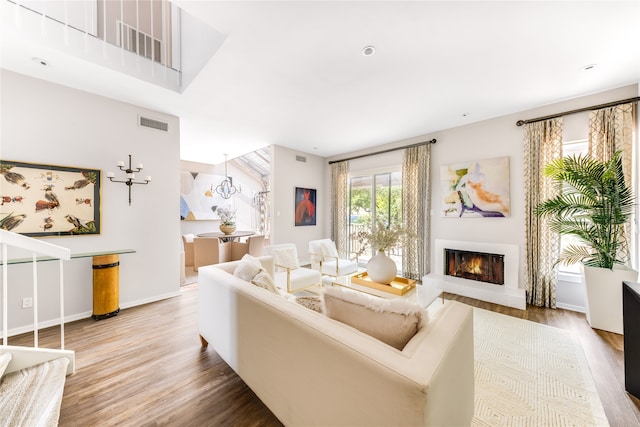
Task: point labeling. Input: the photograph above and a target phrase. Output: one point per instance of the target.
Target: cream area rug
(528, 374)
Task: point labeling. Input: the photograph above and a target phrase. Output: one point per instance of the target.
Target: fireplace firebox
(479, 266)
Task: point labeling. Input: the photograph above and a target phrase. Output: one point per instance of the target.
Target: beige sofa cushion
(393, 322)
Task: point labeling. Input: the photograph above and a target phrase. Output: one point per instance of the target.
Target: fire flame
(473, 266)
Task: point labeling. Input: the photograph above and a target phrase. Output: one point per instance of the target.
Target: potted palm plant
(594, 206)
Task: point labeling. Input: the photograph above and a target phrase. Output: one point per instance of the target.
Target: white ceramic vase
(604, 296)
(381, 268)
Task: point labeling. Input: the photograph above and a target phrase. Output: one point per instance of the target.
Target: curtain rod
(431, 141)
(579, 110)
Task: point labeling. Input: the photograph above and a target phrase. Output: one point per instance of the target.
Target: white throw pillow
(393, 322)
(286, 257)
(188, 237)
(265, 281)
(329, 251)
(5, 358)
(247, 268)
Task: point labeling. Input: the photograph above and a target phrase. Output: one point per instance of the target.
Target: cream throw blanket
(32, 396)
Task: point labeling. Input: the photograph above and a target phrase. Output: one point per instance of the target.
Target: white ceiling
(291, 73)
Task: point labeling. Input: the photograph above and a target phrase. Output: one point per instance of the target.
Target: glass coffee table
(424, 295)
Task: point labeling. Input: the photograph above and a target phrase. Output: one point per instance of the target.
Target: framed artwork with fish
(477, 188)
(47, 200)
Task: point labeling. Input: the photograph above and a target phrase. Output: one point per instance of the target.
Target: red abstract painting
(305, 203)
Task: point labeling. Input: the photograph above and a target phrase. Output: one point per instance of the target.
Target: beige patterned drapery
(340, 206)
(542, 144)
(611, 129)
(416, 207)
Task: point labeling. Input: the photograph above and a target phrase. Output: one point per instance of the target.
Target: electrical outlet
(27, 302)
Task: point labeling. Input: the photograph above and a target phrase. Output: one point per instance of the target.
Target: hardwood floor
(145, 367)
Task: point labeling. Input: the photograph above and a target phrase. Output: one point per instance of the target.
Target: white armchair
(289, 275)
(324, 258)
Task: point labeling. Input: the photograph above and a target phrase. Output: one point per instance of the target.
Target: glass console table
(106, 279)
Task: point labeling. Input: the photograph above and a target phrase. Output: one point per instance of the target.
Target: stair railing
(36, 248)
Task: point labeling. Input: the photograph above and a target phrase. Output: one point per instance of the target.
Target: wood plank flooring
(145, 367)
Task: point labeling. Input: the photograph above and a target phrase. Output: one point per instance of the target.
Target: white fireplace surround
(508, 294)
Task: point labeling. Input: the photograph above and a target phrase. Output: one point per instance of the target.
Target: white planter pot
(381, 268)
(604, 296)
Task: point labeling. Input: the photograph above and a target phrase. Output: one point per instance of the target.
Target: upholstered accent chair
(289, 275)
(324, 258)
(210, 250)
(187, 243)
(254, 246)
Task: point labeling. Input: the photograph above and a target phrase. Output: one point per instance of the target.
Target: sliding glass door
(375, 199)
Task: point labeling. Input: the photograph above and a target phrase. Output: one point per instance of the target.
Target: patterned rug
(527, 374)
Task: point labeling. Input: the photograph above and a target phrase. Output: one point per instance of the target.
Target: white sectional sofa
(311, 370)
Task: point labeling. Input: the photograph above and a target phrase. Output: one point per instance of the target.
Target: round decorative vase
(227, 228)
(381, 268)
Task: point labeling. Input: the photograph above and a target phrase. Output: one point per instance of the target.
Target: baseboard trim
(571, 307)
(150, 300)
(85, 314)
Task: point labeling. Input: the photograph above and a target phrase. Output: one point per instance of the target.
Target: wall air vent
(153, 124)
(301, 159)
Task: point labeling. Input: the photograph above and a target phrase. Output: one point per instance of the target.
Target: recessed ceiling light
(40, 61)
(589, 67)
(368, 50)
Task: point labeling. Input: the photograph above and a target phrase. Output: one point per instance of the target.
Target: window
(571, 148)
(378, 196)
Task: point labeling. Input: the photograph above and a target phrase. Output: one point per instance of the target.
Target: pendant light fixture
(226, 188)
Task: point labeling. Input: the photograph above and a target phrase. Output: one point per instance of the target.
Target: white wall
(287, 173)
(47, 123)
(494, 138)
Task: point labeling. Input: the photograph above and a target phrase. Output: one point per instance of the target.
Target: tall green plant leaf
(594, 206)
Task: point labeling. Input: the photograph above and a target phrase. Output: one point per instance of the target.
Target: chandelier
(226, 188)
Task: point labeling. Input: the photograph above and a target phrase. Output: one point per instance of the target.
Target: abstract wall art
(476, 189)
(305, 206)
(47, 200)
(198, 199)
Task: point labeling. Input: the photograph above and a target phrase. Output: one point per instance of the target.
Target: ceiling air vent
(301, 159)
(153, 124)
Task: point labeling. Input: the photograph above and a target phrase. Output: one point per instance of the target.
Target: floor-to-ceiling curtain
(611, 129)
(542, 143)
(416, 207)
(340, 206)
